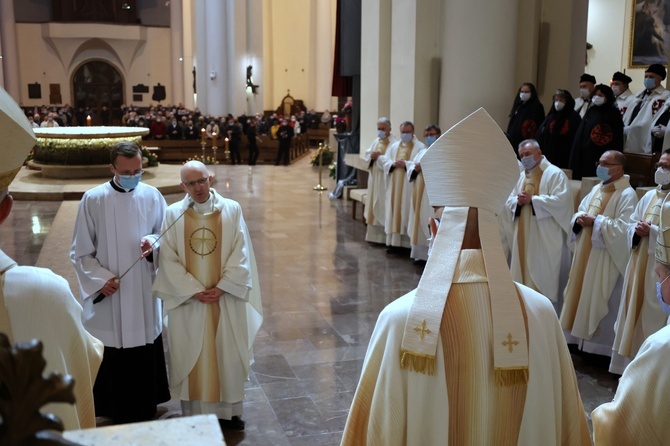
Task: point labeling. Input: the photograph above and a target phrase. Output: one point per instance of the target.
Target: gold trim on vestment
(6, 178)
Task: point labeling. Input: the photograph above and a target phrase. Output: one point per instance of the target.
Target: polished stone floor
(322, 288)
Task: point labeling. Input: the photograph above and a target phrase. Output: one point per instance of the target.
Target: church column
(254, 55)
(190, 35)
(323, 69)
(375, 67)
(478, 49)
(211, 57)
(10, 57)
(177, 53)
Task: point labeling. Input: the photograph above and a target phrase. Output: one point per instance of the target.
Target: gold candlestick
(319, 187)
(227, 151)
(88, 120)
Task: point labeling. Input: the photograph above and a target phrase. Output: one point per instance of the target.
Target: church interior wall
(144, 61)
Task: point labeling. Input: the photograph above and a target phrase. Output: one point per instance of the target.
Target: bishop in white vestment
(468, 357)
(600, 246)
(541, 207)
(375, 204)
(209, 283)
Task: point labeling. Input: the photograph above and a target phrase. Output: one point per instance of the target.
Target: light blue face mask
(406, 137)
(528, 162)
(430, 140)
(130, 182)
(603, 173)
(649, 83)
(665, 307)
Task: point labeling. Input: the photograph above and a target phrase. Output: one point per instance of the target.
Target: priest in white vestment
(541, 207)
(398, 193)
(469, 357)
(600, 244)
(420, 211)
(637, 415)
(208, 280)
(35, 303)
(375, 203)
(642, 110)
(640, 314)
(116, 234)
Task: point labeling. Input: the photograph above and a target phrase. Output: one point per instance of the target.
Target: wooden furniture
(641, 167)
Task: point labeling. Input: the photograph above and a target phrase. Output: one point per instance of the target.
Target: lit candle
(226, 143)
(214, 138)
(88, 120)
(202, 135)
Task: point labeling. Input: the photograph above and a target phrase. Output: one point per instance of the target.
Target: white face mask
(381, 134)
(598, 100)
(524, 96)
(558, 105)
(616, 90)
(662, 177)
(584, 93)
(406, 137)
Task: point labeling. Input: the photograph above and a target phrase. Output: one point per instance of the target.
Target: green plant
(327, 157)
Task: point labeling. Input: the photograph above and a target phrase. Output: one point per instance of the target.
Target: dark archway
(97, 84)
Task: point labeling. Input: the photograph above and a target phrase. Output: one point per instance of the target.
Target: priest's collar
(118, 188)
(206, 207)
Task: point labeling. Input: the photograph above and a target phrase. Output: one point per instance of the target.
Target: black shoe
(236, 423)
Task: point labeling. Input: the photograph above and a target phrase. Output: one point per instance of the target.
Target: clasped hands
(209, 296)
(375, 155)
(642, 228)
(524, 198)
(585, 220)
(399, 163)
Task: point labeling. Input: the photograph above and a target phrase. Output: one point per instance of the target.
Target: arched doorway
(97, 86)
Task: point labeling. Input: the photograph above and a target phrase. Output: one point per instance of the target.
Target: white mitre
(472, 165)
(18, 139)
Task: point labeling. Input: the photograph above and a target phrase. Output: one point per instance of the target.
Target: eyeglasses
(128, 173)
(598, 163)
(200, 182)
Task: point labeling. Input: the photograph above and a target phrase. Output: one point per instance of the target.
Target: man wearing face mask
(398, 193)
(619, 85)
(556, 134)
(641, 113)
(587, 83)
(420, 210)
(636, 415)
(640, 314)
(600, 245)
(175, 130)
(541, 207)
(118, 222)
(375, 204)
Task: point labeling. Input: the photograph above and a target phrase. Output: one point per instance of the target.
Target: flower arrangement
(332, 170)
(75, 151)
(152, 158)
(209, 160)
(327, 157)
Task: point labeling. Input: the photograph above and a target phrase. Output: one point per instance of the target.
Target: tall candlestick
(202, 135)
(88, 120)
(214, 138)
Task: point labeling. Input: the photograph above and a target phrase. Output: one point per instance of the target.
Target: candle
(226, 143)
(88, 120)
(202, 135)
(213, 138)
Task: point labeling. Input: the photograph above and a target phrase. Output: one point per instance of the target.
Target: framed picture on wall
(650, 33)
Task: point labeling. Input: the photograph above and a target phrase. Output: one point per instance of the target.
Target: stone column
(478, 52)
(189, 39)
(375, 68)
(10, 56)
(254, 57)
(211, 57)
(323, 69)
(177, 52)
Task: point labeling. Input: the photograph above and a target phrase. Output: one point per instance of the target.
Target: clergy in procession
(643, 109)
(35, 303)
(640, 314)
(469, 357)
(599, 241)
(541, 208)
(642, 399)
(375, 204)
(587, 83)
(624, 97)
(114, 252)
(420, 210)
(209, 284)
(398, 193)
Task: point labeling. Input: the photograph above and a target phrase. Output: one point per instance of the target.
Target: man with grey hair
(117, 223)
(541, 208)
(35, 303)
(209, 283)
(375, 204)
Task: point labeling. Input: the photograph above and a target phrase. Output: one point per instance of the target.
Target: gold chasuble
(531, 185)
(633, 294)
(417, 197)
(380, 147)
(202, 235)
(398, 179)
(573, 290)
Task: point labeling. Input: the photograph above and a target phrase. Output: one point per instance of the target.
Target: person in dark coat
(252, 143)
(285, 136)
(526, 116)
(600, 130)
(557, 133)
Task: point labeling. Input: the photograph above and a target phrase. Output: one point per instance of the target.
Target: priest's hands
(110, 287)
(524, 198)
(642, 228)
(145, 246)
(417, 167)
(399, 163)
(585, 220)
(374, 155)
(209, 296)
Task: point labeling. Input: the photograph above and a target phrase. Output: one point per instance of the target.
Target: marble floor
(322, 289)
